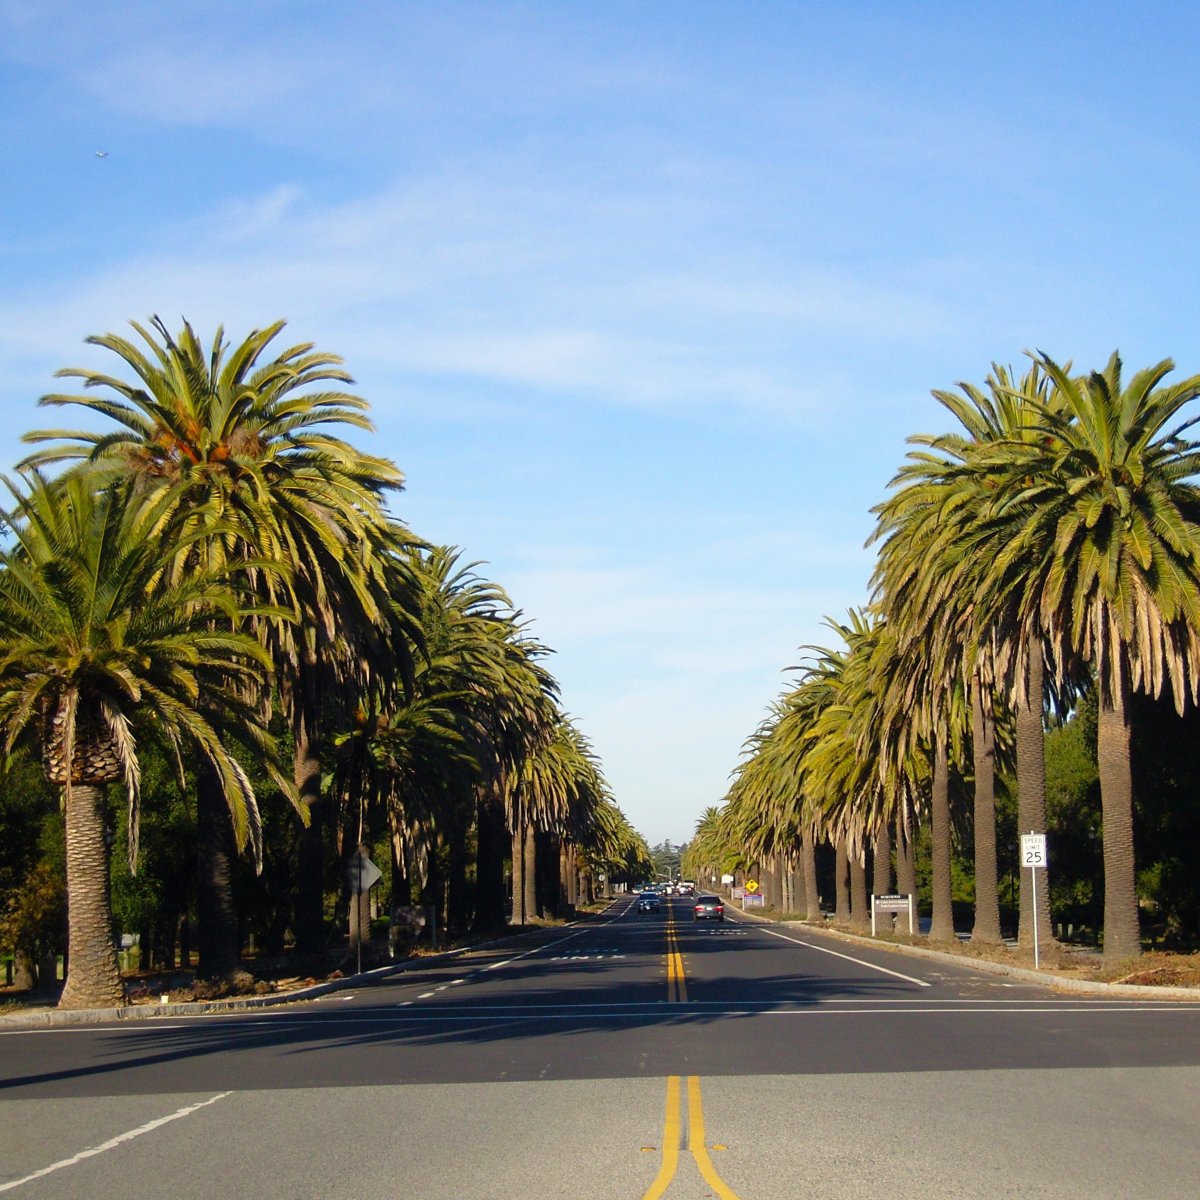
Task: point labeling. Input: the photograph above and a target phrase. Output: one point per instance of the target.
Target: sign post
(1033, 856)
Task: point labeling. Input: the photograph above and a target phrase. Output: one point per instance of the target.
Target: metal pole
(1036, 964)
(358, 910)
(872, 916)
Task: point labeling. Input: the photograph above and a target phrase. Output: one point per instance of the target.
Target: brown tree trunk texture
(519, 911)
(93, 978)
(564, 879)
(360, 926)
(1122, 932)
(575, 875)
(312, 942)
(983, 751)
(1031, 801)
(860, 912)
(24, 971)
(906, 867)
(841, 891)
(881, 881)
(217, 940)
(529, 874)
(812, 897)
(490, 852)
(941, 928)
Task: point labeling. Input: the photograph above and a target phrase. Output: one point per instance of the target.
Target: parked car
(648, 902)
(708, 908)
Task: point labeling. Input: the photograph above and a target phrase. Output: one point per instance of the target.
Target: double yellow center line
(676, 984)
(698, 1148)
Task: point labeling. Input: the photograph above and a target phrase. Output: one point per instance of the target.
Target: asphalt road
(633, 1056)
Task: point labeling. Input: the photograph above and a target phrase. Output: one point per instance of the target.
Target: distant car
(648, 902)
(708, 908)
(668, 889)
(686, 888)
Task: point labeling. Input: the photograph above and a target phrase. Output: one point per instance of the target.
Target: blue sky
(645, 296)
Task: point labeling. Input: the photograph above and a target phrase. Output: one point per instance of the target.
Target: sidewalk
(35, 1016)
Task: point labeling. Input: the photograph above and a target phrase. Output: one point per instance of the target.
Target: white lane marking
(426, 995)
(454, 981)
(113, 1143)
(547, 946)
(656, 1009)
(858, 961)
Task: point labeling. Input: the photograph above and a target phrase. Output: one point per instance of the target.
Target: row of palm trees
(213, 569)
(1049, 545)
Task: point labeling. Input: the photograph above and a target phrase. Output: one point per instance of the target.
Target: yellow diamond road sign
(752, 886)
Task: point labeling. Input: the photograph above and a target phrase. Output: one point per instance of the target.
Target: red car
(708, 908)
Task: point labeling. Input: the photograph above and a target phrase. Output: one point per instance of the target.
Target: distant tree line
(226, 665)
(1029, 661)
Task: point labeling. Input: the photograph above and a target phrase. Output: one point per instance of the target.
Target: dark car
(708, 908)
(649, 902)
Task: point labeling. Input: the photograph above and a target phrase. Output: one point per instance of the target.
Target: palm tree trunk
(217, 938)
(860, 913)
(1031, 797)
(360, 922)
(941, 928)
(881, 883)
(1122, 934)
(311, 936)
(983, 748)
(566, 905)
(812, 897)
(529, 872)
(841, 865)
(906, 867)
(93, 977)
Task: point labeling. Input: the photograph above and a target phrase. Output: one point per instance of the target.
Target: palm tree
(244, 439)
(97, 643)
(946, 541)
(1112, 520)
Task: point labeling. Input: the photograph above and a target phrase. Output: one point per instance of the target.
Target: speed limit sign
(1033, 850)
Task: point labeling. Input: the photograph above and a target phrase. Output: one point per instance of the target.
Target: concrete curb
(1046, 978)
(44, 1018)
